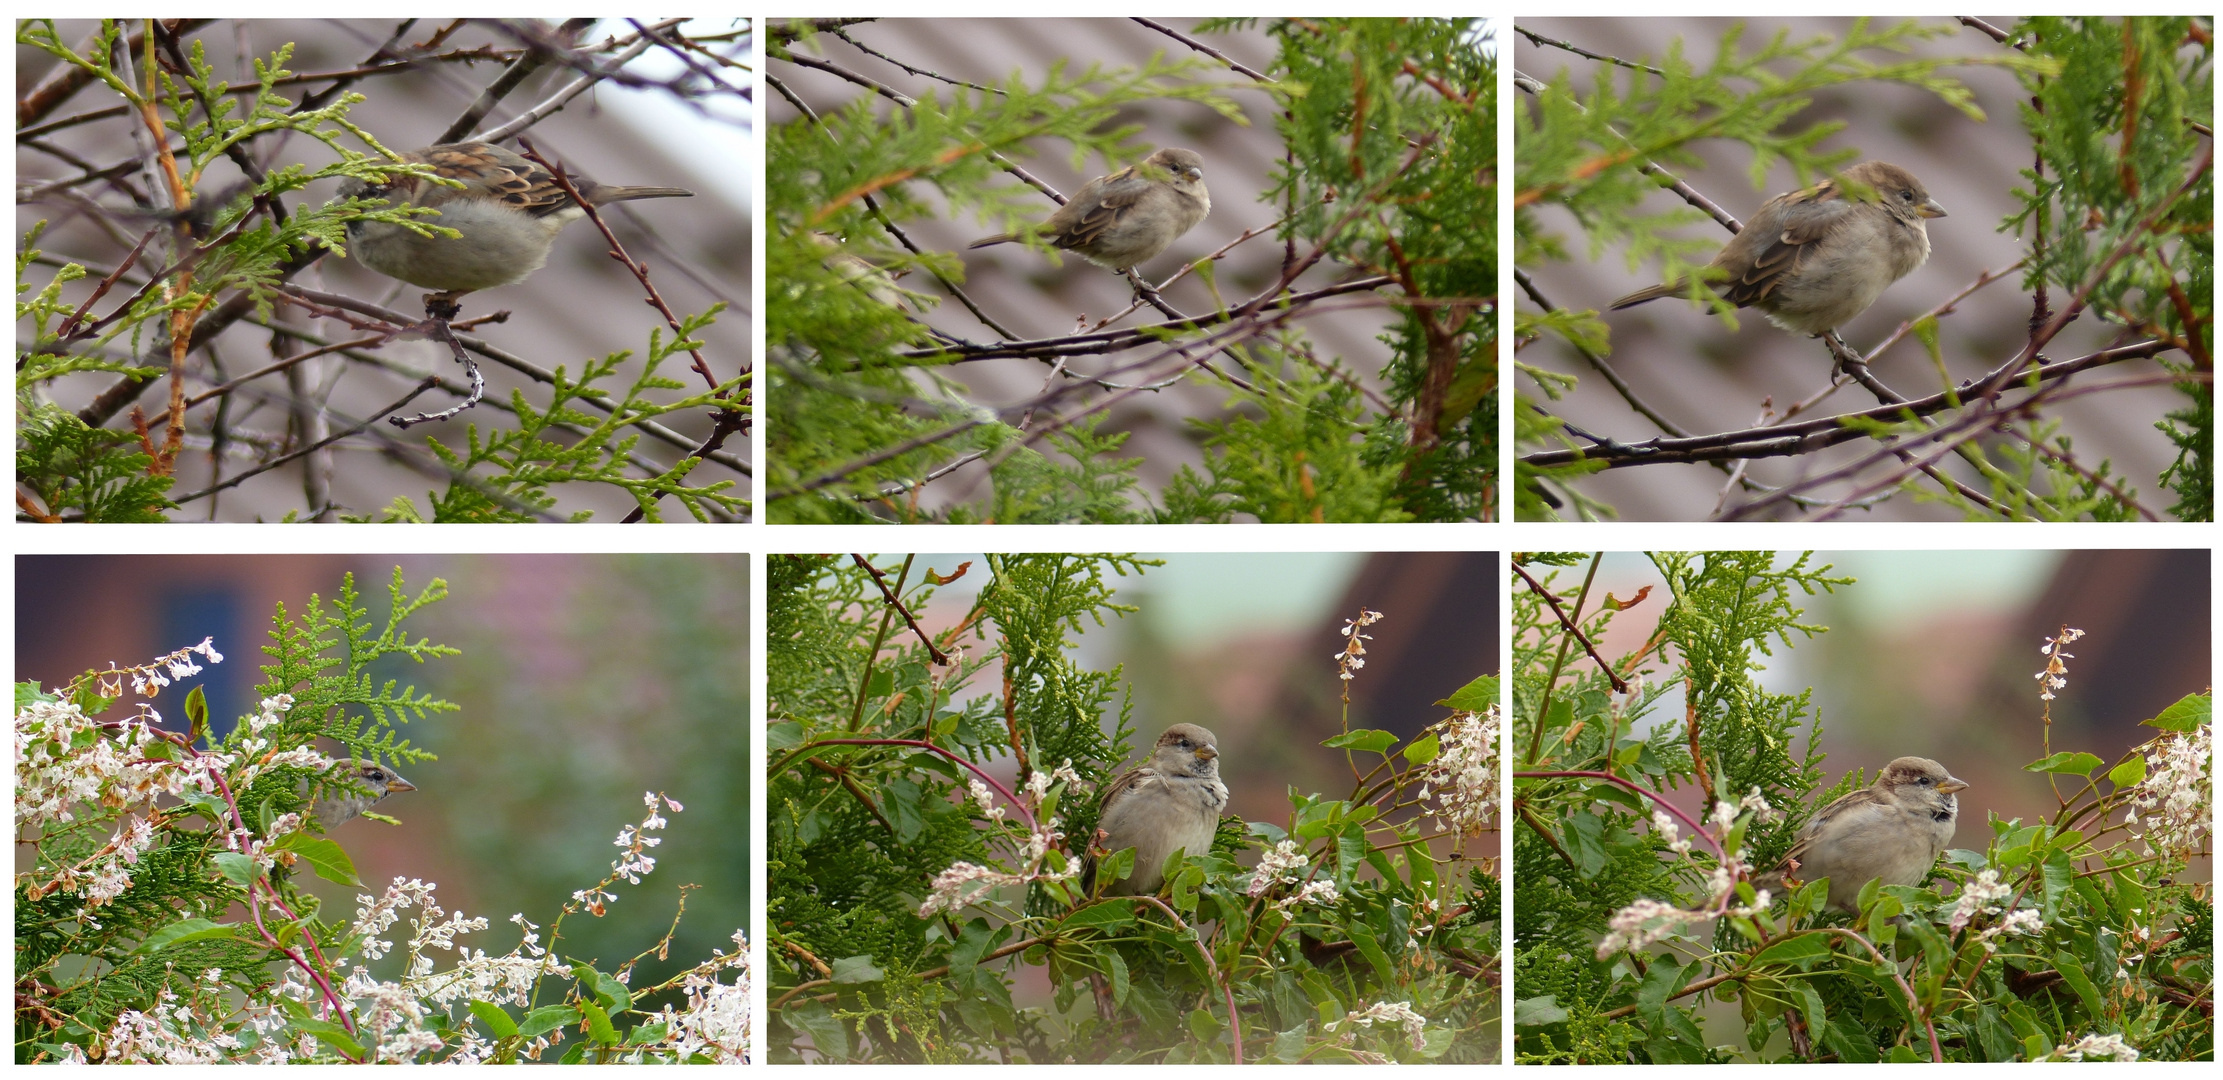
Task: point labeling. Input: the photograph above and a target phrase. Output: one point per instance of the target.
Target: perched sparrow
(1813, 259)
(341, 806)
(509, 211)
(1171, 801)
(1890, 831)
(1127, 218)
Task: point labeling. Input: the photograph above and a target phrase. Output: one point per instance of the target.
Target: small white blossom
(2108, 1046)
(1386, 1012)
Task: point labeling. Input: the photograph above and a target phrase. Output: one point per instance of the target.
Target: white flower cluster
(2056, 674)
(170, 1035)
(715, 1023)
(1463, 777)
(1386, 1012)
(1649, 921)
(636, 861)
(1353, 656)
(2109, 1046)
(964, 883)
(1286, 864)
(2175, 800)
(1977, 897)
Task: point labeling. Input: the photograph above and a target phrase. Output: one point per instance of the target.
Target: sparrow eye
(1925, 781)
(1907, 195)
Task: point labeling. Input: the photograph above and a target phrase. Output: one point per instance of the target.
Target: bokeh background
(1694, 370)
(584, 681)
(1243, 644)
(581, 305)
(1935, 653)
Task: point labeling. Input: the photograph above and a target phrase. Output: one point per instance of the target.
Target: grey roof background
(1019, 287)
(582, 305)
(1685, 363)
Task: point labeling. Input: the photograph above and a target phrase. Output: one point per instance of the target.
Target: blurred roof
(1020, 288)
(1687, 365)
(582, 305)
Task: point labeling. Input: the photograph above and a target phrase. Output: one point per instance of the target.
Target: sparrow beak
(1930, 209)
(1206, 753)
(1952, 784)
(399, 784)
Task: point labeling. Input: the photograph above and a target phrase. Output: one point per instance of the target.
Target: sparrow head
(1185, 168)
(382, 780)
(1186, 750)
(343, 805)
(1897, 189)
(1921, 784)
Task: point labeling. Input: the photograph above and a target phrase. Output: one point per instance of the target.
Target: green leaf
(2072, 972)
(827, 1032)
(1204, 1026)
(1660, 980)
(188, 930)
(2129, 773)
(1423, 750)
(1116, 969)
(2187, 714)
(856, 969)
(1476, 696)
(545, 1019)
(196, 715)
(598, 1024)
(1538, 1011)
(2058, 874)
(330, 1034)
(1803, 949)
(326, 857)
(1363, 740)
(2078, 763)
(1810, 1005)
(239, 869)
(498, 1023)
(1106, 916)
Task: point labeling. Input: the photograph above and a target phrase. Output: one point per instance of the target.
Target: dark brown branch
(1806, 436)
(1207, 50)
(423, 385)
(1537, 587)
(881, 580)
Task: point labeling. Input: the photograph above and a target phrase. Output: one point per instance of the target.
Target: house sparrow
(343, 805)
(509, 211)
(1127, 218)
(1171, 801)
(1813, 259)
(1890, 831)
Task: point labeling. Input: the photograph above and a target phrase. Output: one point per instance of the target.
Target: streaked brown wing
(509, 176)
(1120, 191)
(1811, 214)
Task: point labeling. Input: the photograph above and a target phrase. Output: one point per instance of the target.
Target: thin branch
(1537, 587)
(423, 385)
(881, 579)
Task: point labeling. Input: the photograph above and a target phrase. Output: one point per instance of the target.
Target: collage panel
(384, 270)
(1821, 268)
(1144, 809)
(392, 841)
(1862, 806)
(1051, 271)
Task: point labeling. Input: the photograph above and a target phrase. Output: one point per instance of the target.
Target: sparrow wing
(1795, 225)
(1847, 803)
(1128, 783)
(1106, 204)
